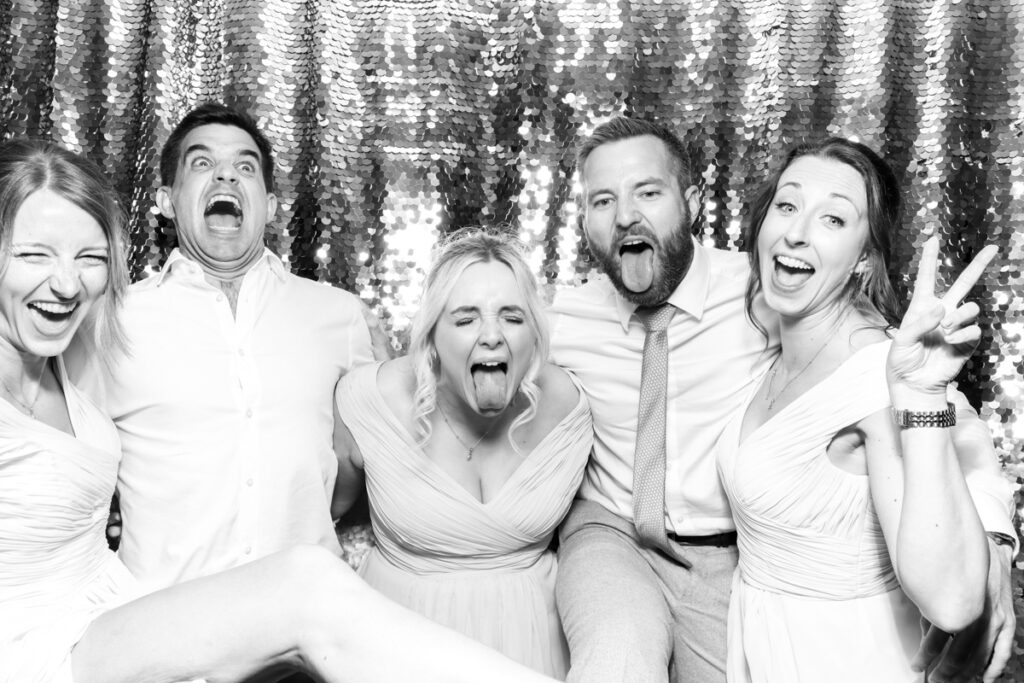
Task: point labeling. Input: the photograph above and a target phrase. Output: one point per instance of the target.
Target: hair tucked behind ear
(460, 250)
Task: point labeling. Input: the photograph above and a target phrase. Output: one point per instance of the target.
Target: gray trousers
(632, 614)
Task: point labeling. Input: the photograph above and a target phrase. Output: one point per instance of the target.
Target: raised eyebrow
(847, 198)
(834, 195)
(201, 148)
(194, 149)
(250, 154)
(652, 180)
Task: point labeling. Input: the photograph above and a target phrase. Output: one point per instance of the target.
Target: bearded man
(667, 357)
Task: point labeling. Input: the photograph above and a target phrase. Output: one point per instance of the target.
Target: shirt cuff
(993, 499)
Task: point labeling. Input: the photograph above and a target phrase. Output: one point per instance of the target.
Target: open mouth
(490, 381)
(53, 312)
(223, 212)
(637, 258)
(790, 271)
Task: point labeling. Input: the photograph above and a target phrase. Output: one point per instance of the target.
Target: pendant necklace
(469, 449)
(28, 408)
(771, 375)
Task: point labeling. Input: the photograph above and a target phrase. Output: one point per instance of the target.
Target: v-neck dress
(815, 597)
(483, 569)
(56, 571)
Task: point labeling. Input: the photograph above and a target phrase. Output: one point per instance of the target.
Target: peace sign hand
(937, 335)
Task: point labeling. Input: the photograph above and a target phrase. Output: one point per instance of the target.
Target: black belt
(722, 540)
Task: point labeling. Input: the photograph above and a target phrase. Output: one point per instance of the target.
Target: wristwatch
(925, 418)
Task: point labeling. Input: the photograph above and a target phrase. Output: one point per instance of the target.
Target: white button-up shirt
(226, 421)
(716, 358)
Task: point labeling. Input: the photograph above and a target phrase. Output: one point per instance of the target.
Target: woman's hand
(937, 335)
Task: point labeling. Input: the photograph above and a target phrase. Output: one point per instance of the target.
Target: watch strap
(906, 419)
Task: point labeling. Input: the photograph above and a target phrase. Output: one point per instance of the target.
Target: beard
(672, 258)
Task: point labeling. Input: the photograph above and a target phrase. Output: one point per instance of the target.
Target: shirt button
(248, 482)
(248, 412)
(241, 352)
(248, 549)
(220, 297)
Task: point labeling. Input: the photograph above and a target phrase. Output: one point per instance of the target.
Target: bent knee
(627, 649)
(317, 588)
(310, 570)
(627, 630)
(307, 556)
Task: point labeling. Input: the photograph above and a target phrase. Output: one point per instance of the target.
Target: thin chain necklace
(771, 375)
(28, 408)
(469, 449)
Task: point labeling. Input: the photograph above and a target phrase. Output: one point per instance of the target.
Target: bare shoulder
(867, 331)
(396, 382)
(558, 393)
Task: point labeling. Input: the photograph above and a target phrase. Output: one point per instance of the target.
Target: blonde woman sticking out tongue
(473, 447)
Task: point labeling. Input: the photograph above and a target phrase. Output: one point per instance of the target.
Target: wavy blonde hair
(457, 252)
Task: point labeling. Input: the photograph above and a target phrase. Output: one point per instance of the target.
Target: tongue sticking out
(489, 384)
(637, 268)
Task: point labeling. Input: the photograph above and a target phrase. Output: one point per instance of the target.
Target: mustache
(636, 231)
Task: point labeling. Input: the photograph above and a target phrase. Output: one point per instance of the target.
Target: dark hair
(623, 128)
(870, 291)
(29, 166)
(215, 113)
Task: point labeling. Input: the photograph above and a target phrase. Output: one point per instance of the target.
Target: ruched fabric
(56, 572)
(814, 596)
(483, 569)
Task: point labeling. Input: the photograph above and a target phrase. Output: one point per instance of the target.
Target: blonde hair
(28, 166)
(457, 252)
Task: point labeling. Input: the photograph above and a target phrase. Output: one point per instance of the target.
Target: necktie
(649, 456)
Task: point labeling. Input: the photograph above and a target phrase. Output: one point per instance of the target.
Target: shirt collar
(178, 261)
(690, 296)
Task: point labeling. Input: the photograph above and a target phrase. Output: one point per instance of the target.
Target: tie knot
(656, 318)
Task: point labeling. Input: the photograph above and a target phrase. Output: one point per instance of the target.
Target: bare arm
(349, 482)
(985, 646)
(927, 517)
(935, 339)
(931, 350)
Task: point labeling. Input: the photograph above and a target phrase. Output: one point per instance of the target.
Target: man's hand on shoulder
(379, 341)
